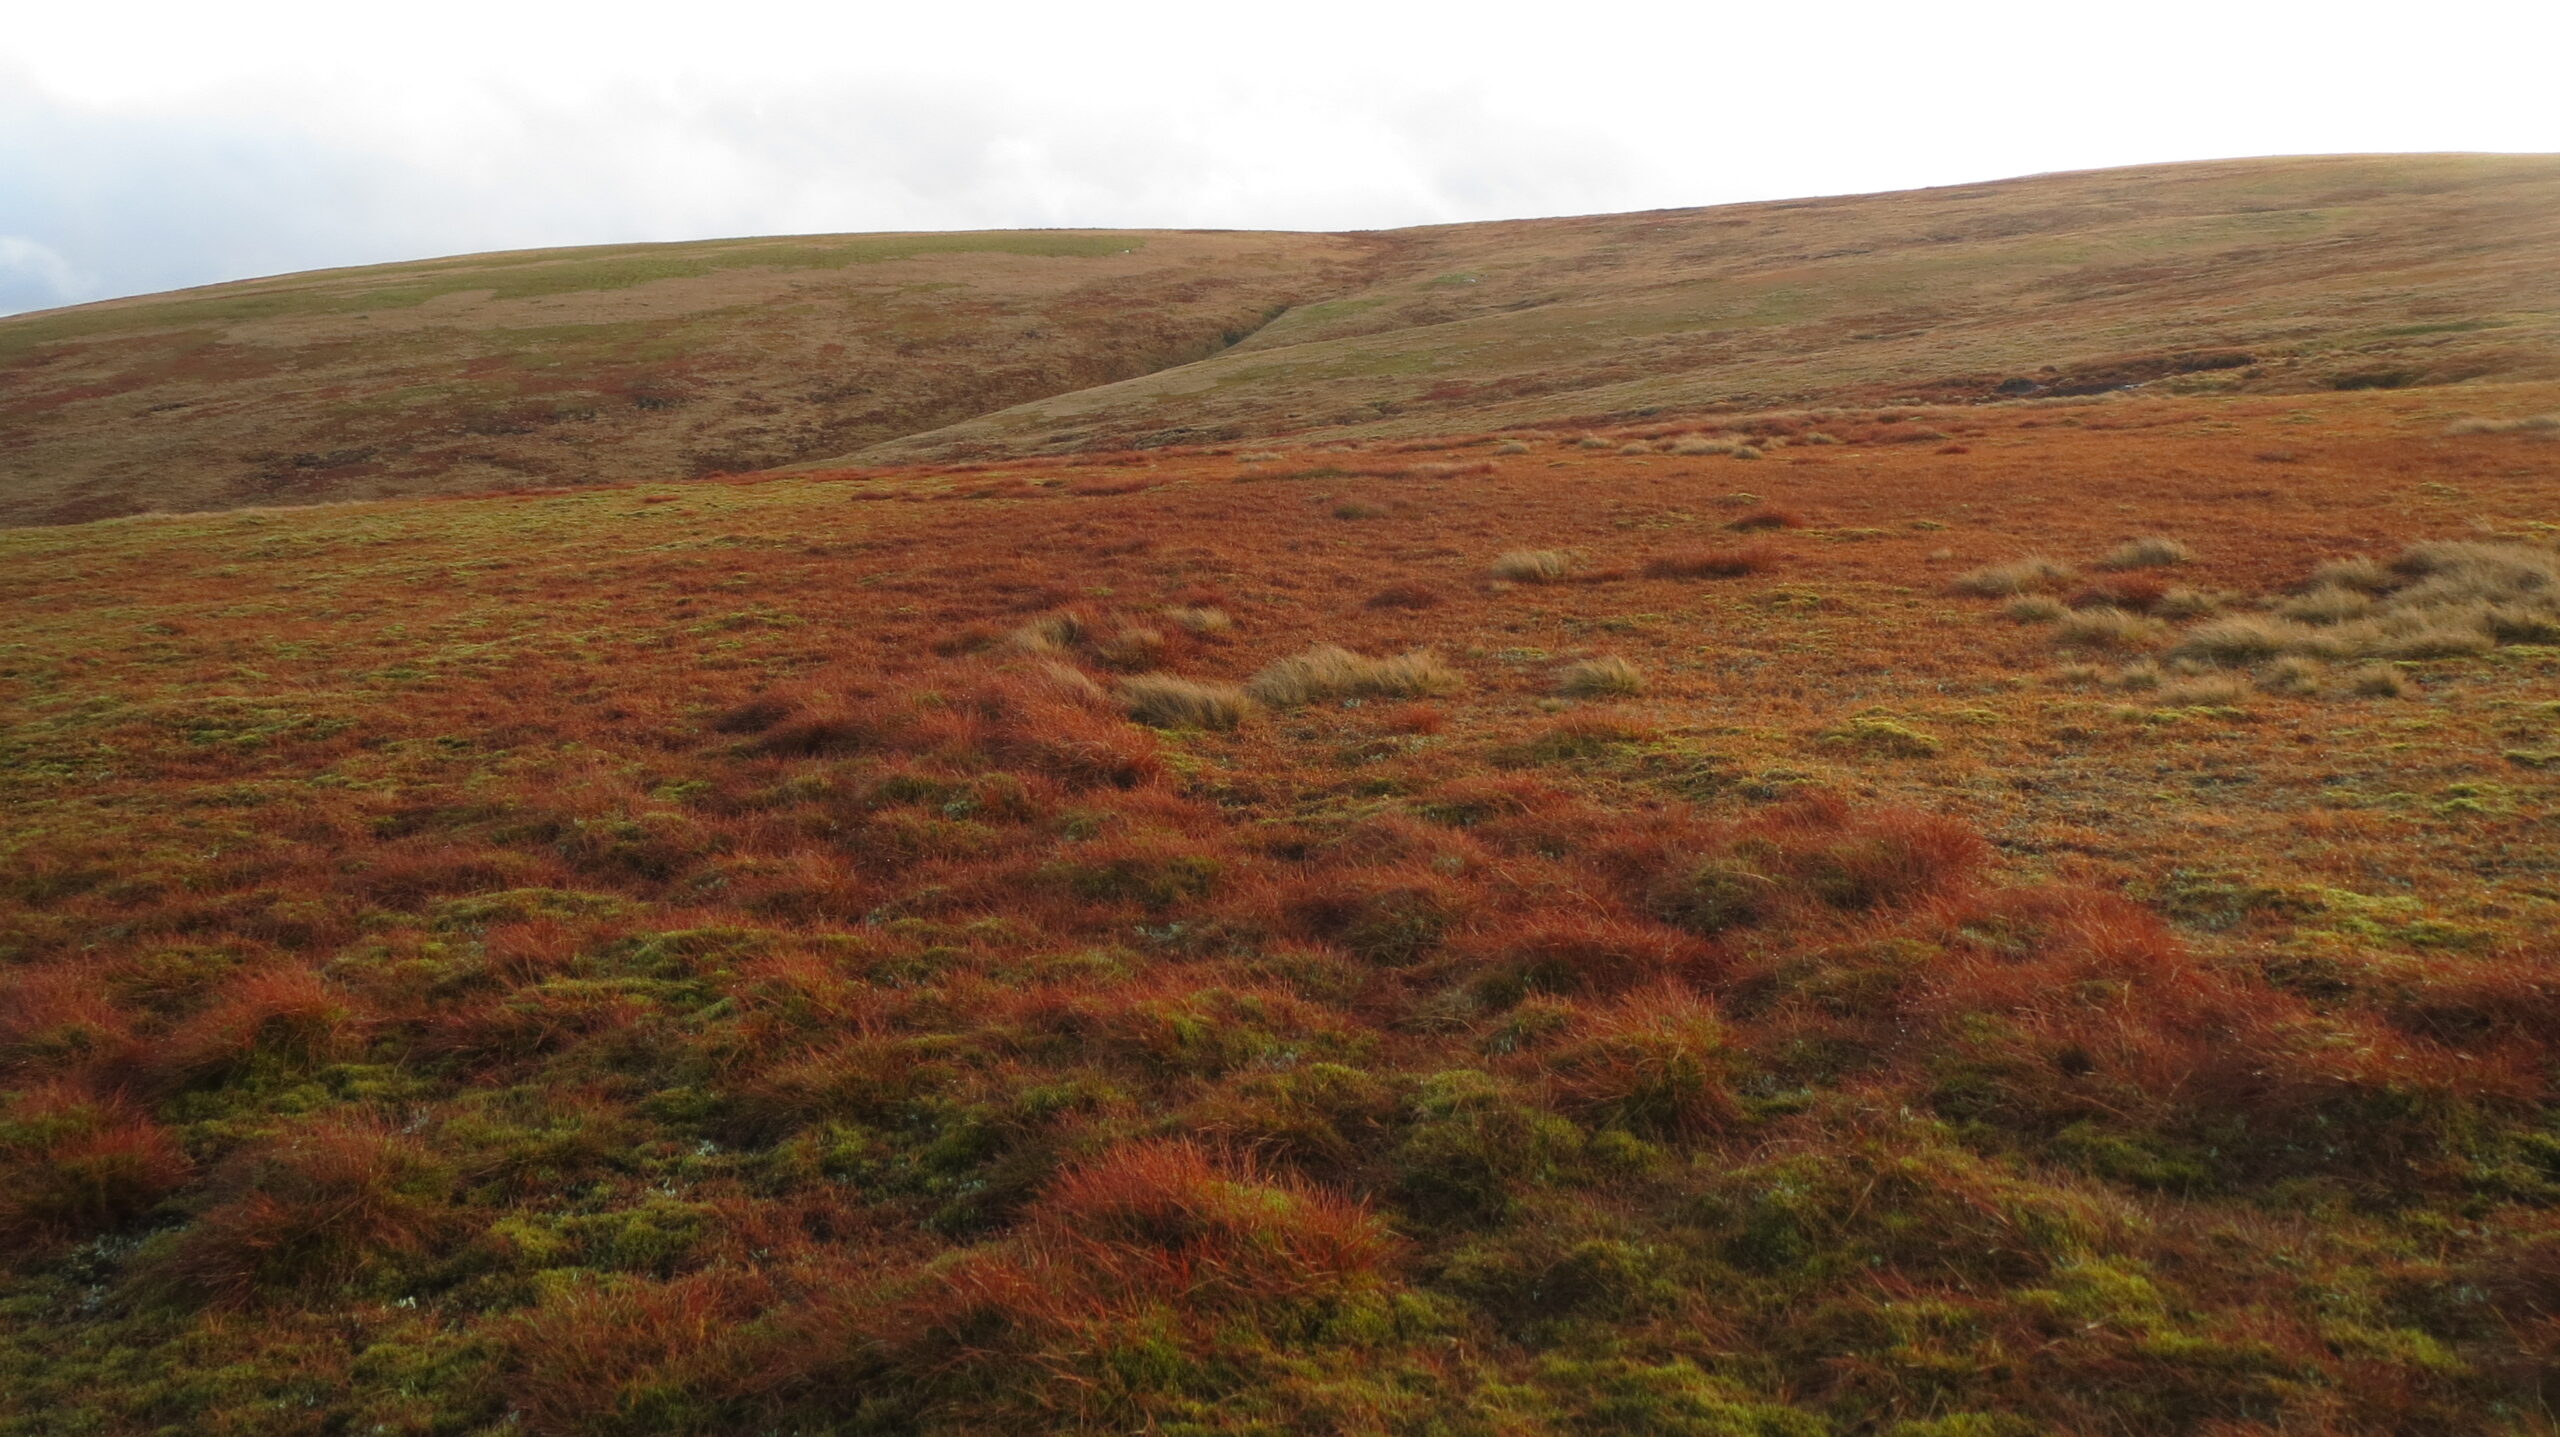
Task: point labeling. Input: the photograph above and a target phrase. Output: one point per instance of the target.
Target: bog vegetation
(1111, 948)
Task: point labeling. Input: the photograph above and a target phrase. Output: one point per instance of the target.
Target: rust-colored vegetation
(947, 951)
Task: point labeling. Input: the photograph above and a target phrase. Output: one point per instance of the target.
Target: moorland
(602, 365)
(1938, 915)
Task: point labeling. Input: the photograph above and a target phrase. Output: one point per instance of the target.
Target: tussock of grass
(1605, 677)
(2357, 573)
(2029, 574)
(2036, 609)
(2294, 675)
(1051, 633)
(2241, 640)
(2106, 628)
(2377, 681)
(2534, 424)
(2203, 691)
(2438, 600)
(1326, 672)
(2153, 552)
(1199, 619)
(2327, 604)
(1132, 648)
(1172, 702)
(1533, 566)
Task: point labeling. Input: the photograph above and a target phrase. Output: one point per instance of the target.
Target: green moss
(1882, 738)
(1471, 1146)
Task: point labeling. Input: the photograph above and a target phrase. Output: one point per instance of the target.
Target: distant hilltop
(580, 366)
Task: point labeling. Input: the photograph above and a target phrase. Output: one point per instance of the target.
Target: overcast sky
(147, 146)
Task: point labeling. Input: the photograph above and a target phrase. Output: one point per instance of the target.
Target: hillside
(583, 366)
(1963, 921)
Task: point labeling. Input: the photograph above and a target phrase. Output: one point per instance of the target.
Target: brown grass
(1168, 701)
(1532, 566)
(2154, 552)
(1326, 672)
(2015, 576)
(1606, 677)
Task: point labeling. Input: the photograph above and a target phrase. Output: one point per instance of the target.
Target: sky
(150, 146)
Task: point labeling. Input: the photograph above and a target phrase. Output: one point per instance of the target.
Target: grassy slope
(659, 960)
(575, 366)
(569, 367)
(2379, 270)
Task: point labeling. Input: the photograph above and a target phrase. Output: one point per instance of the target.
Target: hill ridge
(604, 363)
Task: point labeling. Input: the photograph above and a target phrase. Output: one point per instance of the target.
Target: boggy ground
(723, 959)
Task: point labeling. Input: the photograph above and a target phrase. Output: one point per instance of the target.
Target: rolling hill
(576, 367)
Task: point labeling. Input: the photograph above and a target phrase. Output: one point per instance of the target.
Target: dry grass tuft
(1052, 633)
(2153, 552)
(1135, 648)
(2204, 691)
(1172, 702)
(2185, 603)
(2356, 572)
(1605, 677)
(2106, 629)
(2445, 599)
(1199, 619)
(1326, 672)
(2534, 424)
(2378, 681)
(2327, 604)
(2036, 609)
(2242, 640)
(2295, 675)
(1533, 566)
(2029, 574)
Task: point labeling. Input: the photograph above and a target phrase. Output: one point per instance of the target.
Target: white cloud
(155, 144)
(32, 276)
